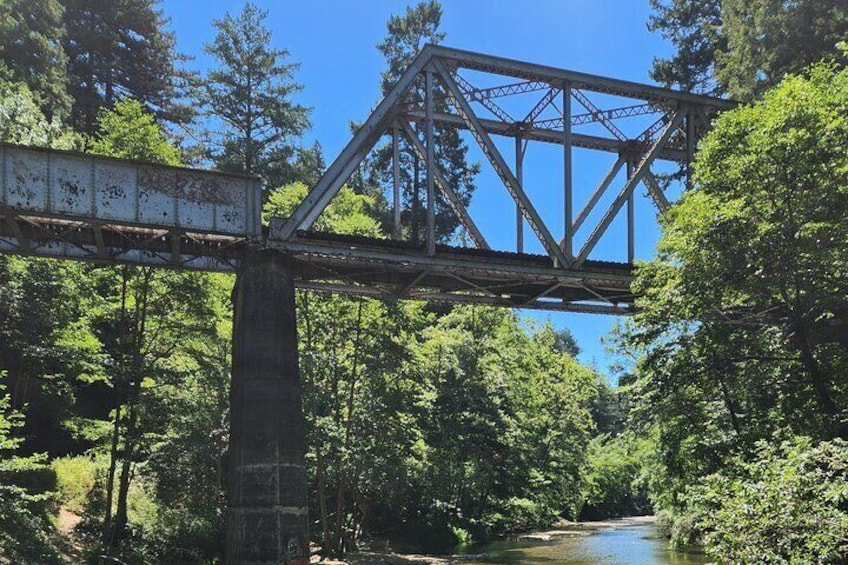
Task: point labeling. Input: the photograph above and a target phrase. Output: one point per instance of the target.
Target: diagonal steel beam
(540, 106)
(600, 114)
(656, 191)
(650, 181)
(473, 93)
(631, 183)
(593, 200)
(367, 135)
(500, 166)
(453, 198)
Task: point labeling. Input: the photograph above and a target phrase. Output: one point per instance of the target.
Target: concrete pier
(267, 521)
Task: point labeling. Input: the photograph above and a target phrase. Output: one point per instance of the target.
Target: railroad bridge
(110, 211)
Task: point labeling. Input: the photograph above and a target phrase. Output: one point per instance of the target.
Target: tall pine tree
(117, 49)
(248, 98)
(31, 49)
(407, 35)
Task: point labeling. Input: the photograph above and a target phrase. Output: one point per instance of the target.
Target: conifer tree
(248, 97)
(742, 47)
(120, 49)
(31, 49)
(407, 35)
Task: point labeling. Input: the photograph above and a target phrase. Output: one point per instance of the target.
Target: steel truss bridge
(111, 211)
(75, 206)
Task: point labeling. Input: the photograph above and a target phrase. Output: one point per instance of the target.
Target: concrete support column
(267, 520)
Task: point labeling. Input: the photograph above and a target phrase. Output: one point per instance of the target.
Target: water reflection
(620, 542)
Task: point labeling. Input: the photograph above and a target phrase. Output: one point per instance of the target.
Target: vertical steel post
(431, 186)
(568, 240)
(631, 242)
(395, 185)
(519, 175)
(267, 520)
(690, 145)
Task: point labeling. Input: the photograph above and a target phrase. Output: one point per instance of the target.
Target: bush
(75, 479)
(788, 505)
(520, 515)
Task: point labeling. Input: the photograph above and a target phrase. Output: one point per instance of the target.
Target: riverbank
(562, 532)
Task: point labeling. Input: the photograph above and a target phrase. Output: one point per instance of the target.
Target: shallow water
(620, 542)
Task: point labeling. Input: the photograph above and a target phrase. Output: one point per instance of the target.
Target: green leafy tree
(742, 47)
(144, 318)
(130, 131)
(23, 520)
(117, 50)
(248, 99)
(24, 123)
(406, 36)
(30, 46)
(742, 331)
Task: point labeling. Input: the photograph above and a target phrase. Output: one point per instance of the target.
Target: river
(629, 541)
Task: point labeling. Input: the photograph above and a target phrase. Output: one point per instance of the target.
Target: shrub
(787, 505)
(75, 479)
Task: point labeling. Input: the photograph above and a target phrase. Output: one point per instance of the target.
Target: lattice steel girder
(583, 141)
(459, 58)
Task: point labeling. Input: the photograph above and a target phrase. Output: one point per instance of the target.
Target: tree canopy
(742, 47)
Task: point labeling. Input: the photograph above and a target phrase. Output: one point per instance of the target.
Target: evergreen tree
(248, 98)
(407, 35)
(30, 46)
(742, 47)
(120, 49)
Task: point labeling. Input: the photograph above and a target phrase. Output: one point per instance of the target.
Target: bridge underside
(377, 268)
(393, 269)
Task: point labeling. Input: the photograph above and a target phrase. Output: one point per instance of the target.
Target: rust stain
(186, 185)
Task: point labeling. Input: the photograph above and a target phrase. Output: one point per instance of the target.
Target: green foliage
(742, 47)
(22, 122)
(248, 96)
(347, 213)
(129, 131)
(694, 29)
(612, 484)
(23, 521)
(742, 333)
(787, 504)
(30, 46)
(76, 478)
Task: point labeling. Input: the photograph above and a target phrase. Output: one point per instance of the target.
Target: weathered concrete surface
(267, 520)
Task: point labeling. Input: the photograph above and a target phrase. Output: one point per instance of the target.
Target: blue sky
(334, 42)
